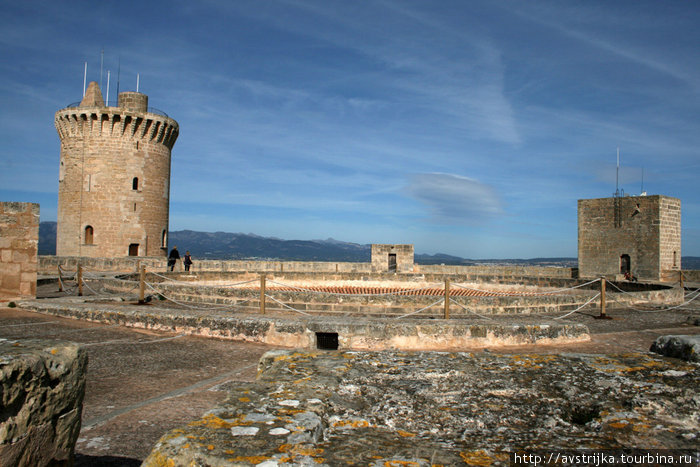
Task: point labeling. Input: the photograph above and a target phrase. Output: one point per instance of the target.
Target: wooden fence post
(602, 300)
(60, 279)
(142, 285)
(447, 299)
(262, 294)
(680, 273)
(80, 280)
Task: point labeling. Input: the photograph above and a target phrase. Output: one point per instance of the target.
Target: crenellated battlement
(80, 122)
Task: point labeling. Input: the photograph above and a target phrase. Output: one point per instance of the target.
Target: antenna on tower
(102, 61)
(643, 193)
(119, 72)
(617, 174)
(84, 79)
(137, 82)
(107, 88)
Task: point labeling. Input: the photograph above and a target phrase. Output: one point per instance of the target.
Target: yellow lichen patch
(212, 421)
(476, 458)
(619, 424)
(612, 365)
(533, 361)
(351, 423)
(156, 459)
(641, 427)
(54, 351)
(405, 434)
(210, 447)
(284, 411)
(300, 450)
(244, 399)
(251, 459)
(398, 463)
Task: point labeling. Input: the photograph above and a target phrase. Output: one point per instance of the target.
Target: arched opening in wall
(135, 183)
(164, 239)
(625, 264)
(134, 249)
(88, 237)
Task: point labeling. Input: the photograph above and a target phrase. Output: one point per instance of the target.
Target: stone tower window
(164, 239)
(135, 183)
(88, 235)
(134, 249)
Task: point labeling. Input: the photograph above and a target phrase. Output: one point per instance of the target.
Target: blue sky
(464, 127)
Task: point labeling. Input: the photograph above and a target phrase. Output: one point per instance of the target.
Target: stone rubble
(438, 408)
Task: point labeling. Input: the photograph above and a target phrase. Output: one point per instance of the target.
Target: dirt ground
(141, 384)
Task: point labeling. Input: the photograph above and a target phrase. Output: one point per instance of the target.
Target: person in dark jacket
(188, 261)
(173, 257)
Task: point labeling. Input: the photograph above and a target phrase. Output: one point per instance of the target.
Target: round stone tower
(114, 178)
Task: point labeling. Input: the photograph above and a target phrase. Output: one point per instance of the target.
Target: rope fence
(91, 280)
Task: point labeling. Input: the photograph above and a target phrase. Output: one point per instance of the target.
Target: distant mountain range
(224, 245)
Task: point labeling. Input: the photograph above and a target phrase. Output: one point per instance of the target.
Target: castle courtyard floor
(141, 384)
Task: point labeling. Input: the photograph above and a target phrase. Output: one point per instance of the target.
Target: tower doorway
(134, 249)
(392, 262)
(625, 264)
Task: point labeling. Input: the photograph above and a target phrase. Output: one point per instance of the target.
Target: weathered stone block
(42, 385)
(683, 347)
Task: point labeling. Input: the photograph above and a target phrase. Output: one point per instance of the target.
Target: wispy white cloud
(455, 199)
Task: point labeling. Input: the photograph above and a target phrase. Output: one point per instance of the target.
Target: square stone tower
(392, 258)
(639, 234)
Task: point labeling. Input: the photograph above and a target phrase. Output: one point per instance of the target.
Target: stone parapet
(42, 384)
(49, 264)
(303, 331)
(19, 239)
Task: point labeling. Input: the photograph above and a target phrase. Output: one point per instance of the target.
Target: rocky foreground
(428, 408)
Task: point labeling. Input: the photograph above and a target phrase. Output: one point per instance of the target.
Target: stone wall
(19, 238)
(48, 265)
(42, 385)
(691, 276)
(392, 258)
(114, 178)
(646, 230)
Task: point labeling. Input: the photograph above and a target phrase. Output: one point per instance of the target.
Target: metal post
(262, 294)
(142, 285)
(60, 279)
(80, 280)
(447, 299)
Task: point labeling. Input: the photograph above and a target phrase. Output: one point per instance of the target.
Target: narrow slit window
(135, 183)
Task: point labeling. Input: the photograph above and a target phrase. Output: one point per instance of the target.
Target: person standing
(188, 260)
(173, 257)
